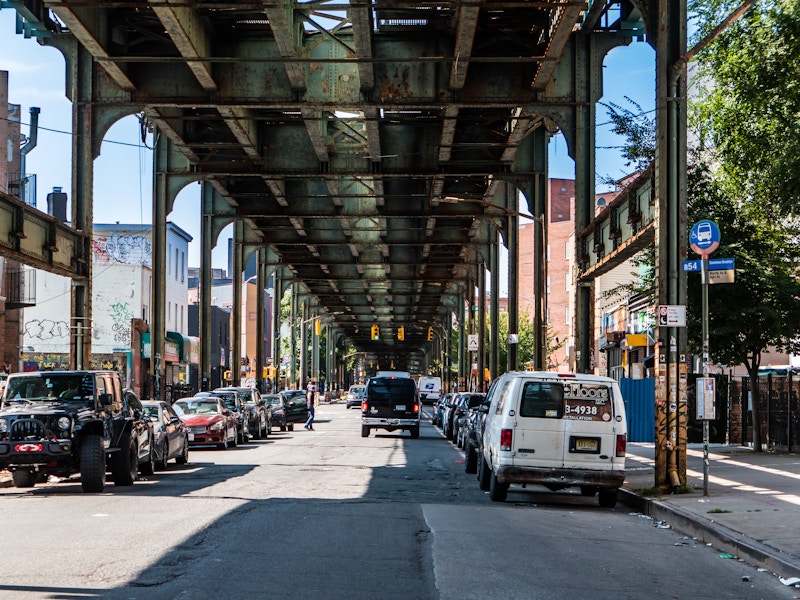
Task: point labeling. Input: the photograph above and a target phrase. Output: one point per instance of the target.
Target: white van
(554, 429)
(430, 389)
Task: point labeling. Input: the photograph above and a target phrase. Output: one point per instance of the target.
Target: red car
(208, 421)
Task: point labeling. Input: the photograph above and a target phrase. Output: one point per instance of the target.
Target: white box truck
(430, 389)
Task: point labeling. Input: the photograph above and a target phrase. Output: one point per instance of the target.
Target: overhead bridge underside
(372, 147)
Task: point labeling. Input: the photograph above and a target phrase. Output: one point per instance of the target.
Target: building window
(183, 267)
(176, 264)
(548, 252)
(566, 250)
(547, 315)
(169, 256)
(566, 314)
(548, 284)
(180, 325)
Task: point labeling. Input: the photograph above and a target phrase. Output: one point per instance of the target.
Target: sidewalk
(752, 509)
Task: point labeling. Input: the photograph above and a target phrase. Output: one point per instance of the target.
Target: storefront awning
(188, 346)
(171, 348)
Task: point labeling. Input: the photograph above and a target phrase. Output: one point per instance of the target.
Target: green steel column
(293, 384)
(236, 313)
(670, 185)
(158, 331)
(80, 66)
(494, 309)
(541, 209)
(204, 296)
(305, 371)
(513, 275)
(471, 331)
(481, 326)
(277, 296)
(585, 84)
(315, 348)
(462, 345)
(261, 284)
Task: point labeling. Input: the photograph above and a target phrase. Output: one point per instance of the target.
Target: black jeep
(65, 422)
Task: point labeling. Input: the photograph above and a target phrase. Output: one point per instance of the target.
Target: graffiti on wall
(126, 249)
(45, 329)
(121, 317)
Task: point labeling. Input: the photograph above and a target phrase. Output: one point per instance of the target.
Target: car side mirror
(105, 399)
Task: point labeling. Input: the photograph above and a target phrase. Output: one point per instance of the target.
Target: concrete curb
(719, 536)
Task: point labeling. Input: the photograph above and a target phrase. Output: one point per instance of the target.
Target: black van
(390, 403)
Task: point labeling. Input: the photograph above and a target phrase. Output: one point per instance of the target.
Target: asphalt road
(326, 514)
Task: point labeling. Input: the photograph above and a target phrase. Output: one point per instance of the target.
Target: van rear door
(538, 435)
(590, 425)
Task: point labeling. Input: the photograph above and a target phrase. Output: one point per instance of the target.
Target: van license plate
(400, 407)
(586, 445)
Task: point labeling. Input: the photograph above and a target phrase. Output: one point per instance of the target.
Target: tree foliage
(748, 103)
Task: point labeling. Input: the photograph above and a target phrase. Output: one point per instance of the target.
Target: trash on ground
(726, 555)
(789, 580)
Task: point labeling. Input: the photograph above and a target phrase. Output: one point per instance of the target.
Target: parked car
(557, 430)
(295, 406)
(466, 402)
(208, 420)
(438, 410)
(274, 403)
(473, 435)
(171, 433)
(234, 403)
(70, 422)
(142, 430)
(354, 395)
(448, 414)
(257, 414)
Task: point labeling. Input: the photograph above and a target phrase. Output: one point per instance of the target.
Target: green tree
(748, 104)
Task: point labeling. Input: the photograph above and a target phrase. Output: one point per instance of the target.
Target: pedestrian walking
(310, 405)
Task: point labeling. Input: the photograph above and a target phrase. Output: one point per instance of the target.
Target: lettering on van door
(587, 402)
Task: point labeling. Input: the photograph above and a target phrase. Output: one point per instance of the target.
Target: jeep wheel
(497, 491)
(93, 464)
(183, 457)
(414, 432)
(283, 426)
(257, 434)
(161, 463)
(290, 426)
(24, 478)
(607, 498)
(364, 431)
(470, 460)
(149, 466)
(123, 463)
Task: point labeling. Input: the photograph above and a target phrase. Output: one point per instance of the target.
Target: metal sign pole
(704, 276)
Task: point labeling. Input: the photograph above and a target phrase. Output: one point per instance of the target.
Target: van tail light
(416, 407)
(622, 441)
(505, 439)
(364, 405)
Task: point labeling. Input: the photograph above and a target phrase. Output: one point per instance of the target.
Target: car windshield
(201, 407)
(295, 394)
(229, 399)
(272, 400)
(50, 386)
(151, 411)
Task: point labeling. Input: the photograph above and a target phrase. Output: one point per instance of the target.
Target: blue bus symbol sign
(704, 237)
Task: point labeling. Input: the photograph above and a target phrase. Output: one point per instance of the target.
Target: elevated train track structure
(371, 153)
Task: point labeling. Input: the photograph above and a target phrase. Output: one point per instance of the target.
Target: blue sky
(123, 172)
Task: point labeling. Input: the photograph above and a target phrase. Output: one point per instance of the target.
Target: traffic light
(376, 332)
(430, 334)
(401, 333)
